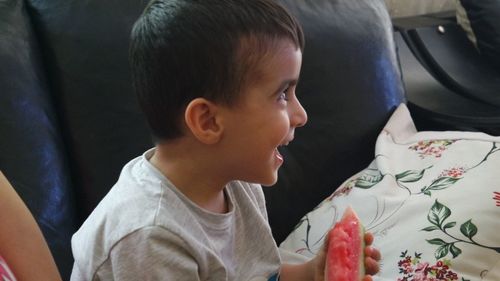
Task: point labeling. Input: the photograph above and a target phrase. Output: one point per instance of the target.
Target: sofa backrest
(84, 46)
(69, 120)
(32, 151)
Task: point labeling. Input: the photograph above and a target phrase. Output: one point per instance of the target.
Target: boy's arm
(311, 270)
(22, 244)
(299, 272)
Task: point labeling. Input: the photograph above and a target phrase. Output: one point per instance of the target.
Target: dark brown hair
(184, 49)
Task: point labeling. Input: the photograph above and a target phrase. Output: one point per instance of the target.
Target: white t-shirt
(146, 229)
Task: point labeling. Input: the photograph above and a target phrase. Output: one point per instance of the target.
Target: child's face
(265, 118)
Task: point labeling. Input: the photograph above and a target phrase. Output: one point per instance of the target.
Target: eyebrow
(287, 83)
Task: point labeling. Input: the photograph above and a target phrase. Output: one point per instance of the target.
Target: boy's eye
(283, 95)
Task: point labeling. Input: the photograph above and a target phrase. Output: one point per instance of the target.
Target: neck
(186, 167)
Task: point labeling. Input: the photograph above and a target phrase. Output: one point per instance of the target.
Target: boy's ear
(202, 120)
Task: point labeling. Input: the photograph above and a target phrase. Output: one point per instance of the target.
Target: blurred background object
(405, 8)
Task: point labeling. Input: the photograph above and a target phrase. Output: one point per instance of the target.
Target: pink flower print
(421, 276)
(496, 197)
(456, 173)
(301, 250)
(413, 270)
(406, 267)
(433, 148)
(343, 190)
(422, 267)
(446, 179)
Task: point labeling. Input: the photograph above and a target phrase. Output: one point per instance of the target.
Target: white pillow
(431, 199)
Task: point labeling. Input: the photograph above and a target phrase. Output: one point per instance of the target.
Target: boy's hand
(372, 257)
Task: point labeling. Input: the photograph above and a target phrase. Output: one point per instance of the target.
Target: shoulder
(139, 211)
(150, 239)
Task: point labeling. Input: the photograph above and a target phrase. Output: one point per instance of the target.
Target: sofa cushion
(85, 46)
(431, 199)
(32, 153)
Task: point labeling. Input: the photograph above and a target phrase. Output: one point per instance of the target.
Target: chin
(264, 177)
(269, 181)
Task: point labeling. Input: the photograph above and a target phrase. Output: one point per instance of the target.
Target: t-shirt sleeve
(152, 253)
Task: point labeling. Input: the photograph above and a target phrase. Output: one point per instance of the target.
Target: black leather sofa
(69, 120)
(449, 82)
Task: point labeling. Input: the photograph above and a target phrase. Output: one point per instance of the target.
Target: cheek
(280, 127)
(285, 121)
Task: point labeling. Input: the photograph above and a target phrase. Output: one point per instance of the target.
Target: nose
(298, 115)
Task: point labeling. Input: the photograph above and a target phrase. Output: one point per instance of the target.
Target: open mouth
(278, 153)
(280, 150)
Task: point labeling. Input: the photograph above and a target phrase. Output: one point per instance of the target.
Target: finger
(373, 253)
(368, 238)
(371, 266)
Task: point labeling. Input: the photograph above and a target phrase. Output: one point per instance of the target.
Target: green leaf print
(364, 183)
(410, 175)
(367, 181)
(430, 228)
(441, 252)
(468, 229)
(439, 184)
(436, 241)
(449, 225)
(442, 183)
(438, 214)
(454, 250)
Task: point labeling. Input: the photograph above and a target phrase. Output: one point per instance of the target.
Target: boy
(216, 80)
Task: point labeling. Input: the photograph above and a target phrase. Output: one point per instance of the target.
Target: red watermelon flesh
(345, 256)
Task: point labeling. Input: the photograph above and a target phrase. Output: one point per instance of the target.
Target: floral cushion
(431, 199)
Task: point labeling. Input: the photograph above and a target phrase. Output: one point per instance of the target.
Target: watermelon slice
(345, 256)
